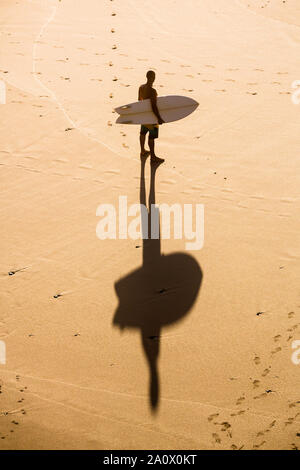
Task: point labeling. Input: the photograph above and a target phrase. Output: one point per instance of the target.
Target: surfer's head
(150, 76)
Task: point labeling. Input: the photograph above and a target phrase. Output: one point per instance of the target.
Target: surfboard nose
(193, 102)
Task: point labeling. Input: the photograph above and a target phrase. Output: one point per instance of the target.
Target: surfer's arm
(155, 108)
(140, 94)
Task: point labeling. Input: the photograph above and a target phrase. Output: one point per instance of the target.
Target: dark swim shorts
(152, 129)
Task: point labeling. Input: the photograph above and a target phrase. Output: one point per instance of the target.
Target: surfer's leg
(153, 134)
(143, 133)
(151, 147)
(154, 158)
(142, 142)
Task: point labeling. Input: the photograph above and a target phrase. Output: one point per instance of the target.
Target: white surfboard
(171, 108)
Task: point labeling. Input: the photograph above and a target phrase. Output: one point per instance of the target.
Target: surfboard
(171, 108)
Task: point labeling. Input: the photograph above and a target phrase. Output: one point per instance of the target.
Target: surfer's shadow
(159, 293)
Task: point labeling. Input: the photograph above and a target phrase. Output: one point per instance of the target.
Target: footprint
(241, 412)
(257, 360)
(213, 416)
(240, 400)
(216, 438)
(277, 338)
(289, 421)
(276, 350)
(225, 425)
(289, 330)
(265, 372)
(234, 447)
(256, 383)
(257, 446)
(294, 404)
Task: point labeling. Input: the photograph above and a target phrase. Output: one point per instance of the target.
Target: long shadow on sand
(159, 293)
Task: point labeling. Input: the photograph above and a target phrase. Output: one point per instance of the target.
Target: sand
(72, 378)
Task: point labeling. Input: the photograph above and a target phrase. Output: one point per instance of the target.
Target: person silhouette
(159, 293)
(146, 91)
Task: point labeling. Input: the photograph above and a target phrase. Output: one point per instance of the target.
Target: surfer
(147, 91)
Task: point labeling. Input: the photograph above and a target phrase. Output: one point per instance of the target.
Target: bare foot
(156, 160)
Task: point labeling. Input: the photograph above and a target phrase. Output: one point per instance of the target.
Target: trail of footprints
(12, 420)
(225, 427)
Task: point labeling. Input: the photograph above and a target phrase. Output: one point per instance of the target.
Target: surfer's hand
(160, 121)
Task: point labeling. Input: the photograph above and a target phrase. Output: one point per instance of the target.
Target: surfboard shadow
(159, 293)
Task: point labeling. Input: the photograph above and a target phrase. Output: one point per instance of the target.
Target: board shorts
(152, 129)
